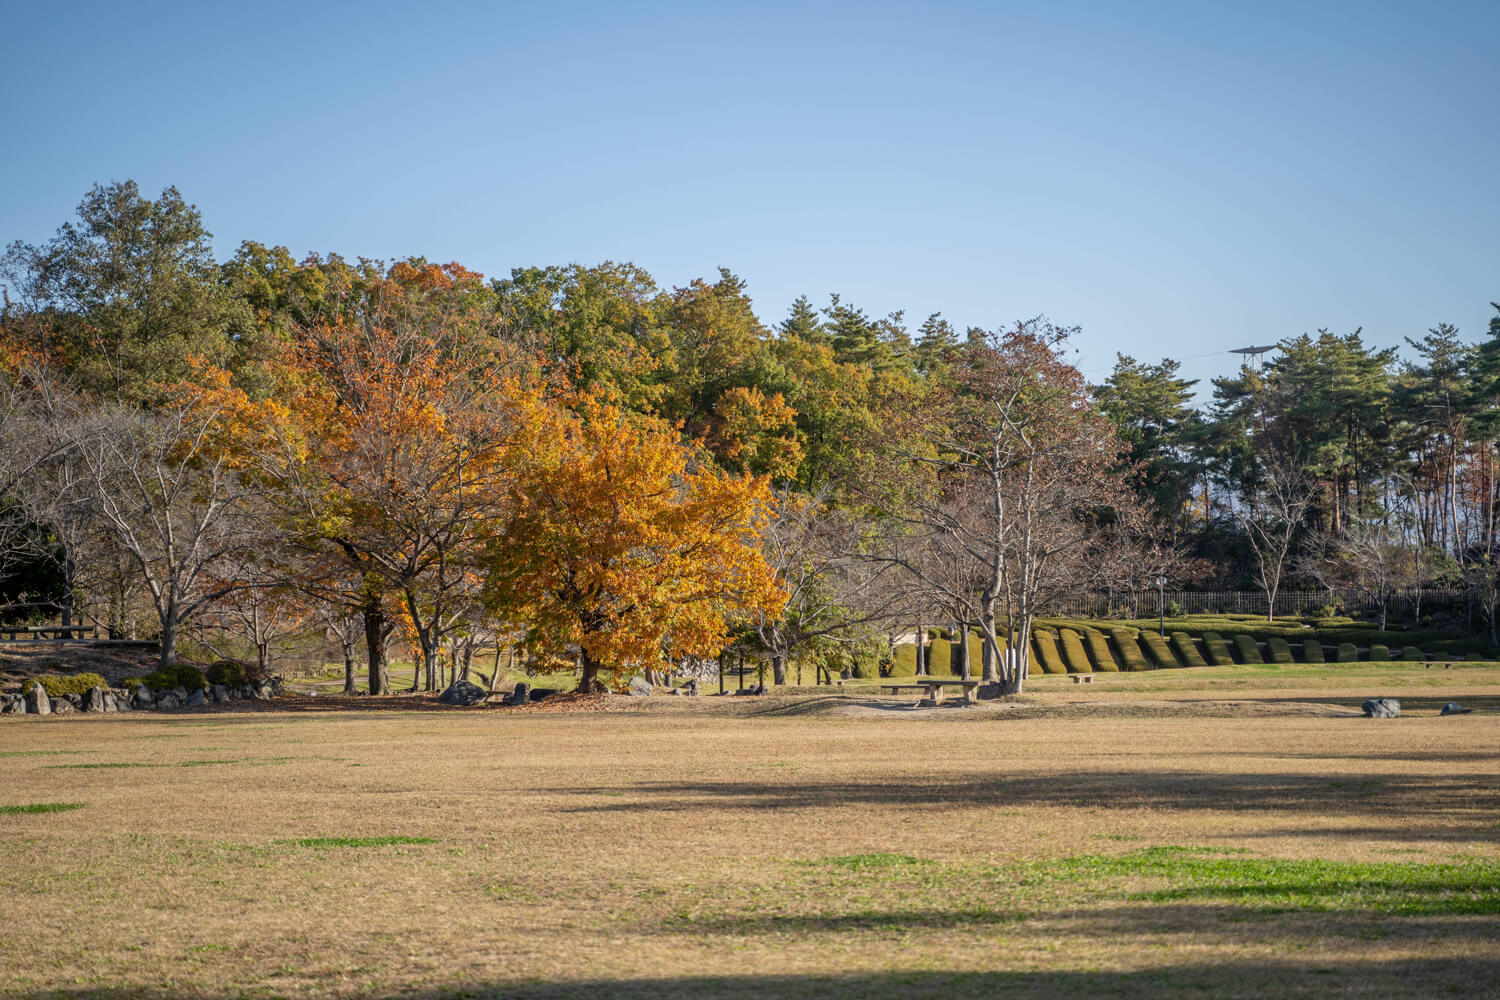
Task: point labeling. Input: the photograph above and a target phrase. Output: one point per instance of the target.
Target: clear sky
(1177, 178)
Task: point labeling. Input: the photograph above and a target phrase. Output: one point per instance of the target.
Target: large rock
(62, 706)
(167, 699)
(537, 694)
(181, 693)
(14, 705)
(641, 688)
(144, 697)
(1382, 708)
(219, 693)
(1454, 708)
(520, 696)
(37, 701)
(463, 693)
(690, 688)
(93, 700)
(196, 698)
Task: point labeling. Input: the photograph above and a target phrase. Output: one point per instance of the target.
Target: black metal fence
(1406, 603)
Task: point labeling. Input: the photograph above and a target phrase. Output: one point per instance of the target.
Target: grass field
(1210, 832)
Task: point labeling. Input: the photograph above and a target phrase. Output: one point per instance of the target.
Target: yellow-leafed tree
(617, 541)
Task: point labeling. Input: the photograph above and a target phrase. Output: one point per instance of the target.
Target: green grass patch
(867, 862)
(328, 843)
(40, 807)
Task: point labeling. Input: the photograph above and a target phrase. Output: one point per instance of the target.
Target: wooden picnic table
(932, 687)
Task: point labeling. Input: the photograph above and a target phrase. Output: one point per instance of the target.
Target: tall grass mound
(1248, 651)
(1130, 649)
(1161, 653)
(1187, 650)
(57, 685)
(1044, 647)
(1411, 654)
(1074, 655)
(939, 657)
(904, 662)
(1279, 650)
(1099, 651)
(1312, 651)
(1348, 653)
(1380, 653)
(1218, 650)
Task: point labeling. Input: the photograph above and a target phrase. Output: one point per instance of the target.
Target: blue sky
(1177, 178)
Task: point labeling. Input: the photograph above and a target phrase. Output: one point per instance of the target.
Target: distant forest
(890, 444)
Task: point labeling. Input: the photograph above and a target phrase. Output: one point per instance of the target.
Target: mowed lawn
(1224, 837)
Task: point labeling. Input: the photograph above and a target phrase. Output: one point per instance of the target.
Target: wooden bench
(1083, 678)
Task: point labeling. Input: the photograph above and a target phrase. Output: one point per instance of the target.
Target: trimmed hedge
(1379, 652)
(1099, 651)
(904, 663)
(57, 685)
(1248, 650)
(1130, 649)
(1044, 647)
(1160, 652)
(1312, 651)
(1074, 656)
(1187, 650)
(1278, 650)
(231, 673)
(1348, 653)
(1218, 650)
(1413, 655)
(939, 655)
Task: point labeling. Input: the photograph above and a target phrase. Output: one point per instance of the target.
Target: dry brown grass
(681, 848)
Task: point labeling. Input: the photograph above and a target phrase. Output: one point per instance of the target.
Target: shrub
(1187, 651)
(939, 656)
(866, 667)
(183, 675)
(1312, 651)
(1412, 654)
(57, 685)
(1348, 653)
(1248, 650)
(905, 663)
(1130, 649)
(230, 673)
(1173, 610)
(1279, 650)
(1073, 654)
(1218, 650)
(1099, 651)
(1044, 648)
(1161, 653)
(1380, 652)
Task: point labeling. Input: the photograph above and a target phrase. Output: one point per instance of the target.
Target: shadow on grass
(1466, 804)
(1447, 977)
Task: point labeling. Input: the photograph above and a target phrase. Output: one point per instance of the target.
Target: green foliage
(905, 663)
(1379, 652)
(1044, 649)
(1074, 657)
(1312, 651)
(1218, 650)
(1246, 648)
(230, 673)
(1412, 654)
(1099, 652)
(868, 862)
(1187, 651)
(1279, 650)
(1130, 649)
(183, 675)
(1161, 653)
(1348, 653)
(57, 685)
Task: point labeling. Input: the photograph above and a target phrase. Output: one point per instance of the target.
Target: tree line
(577, 467)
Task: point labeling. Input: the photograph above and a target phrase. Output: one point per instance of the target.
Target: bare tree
(1271, 519)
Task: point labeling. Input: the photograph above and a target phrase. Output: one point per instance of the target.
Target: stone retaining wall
(97, 699)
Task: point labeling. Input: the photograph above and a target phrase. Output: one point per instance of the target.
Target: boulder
(93, 700)
(111, 703)
(219, 693)
(1382, 708)
(13, 706)
(76, 700)
(167, 699)
(537, 694)
(37, 701)
(641, 688)
(195, 698)
(463, 693)
(62, 706)
(1454, 708)
(143, 697)
(690, 689)
(520, 696)
(260, 692)
(181, 693)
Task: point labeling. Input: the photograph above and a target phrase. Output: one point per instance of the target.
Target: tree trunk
(588, 670)
(374, 616)
(348, 650)
(921, 649)
(778, 669)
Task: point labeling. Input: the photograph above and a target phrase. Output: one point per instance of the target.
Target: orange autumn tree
(620, 543)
